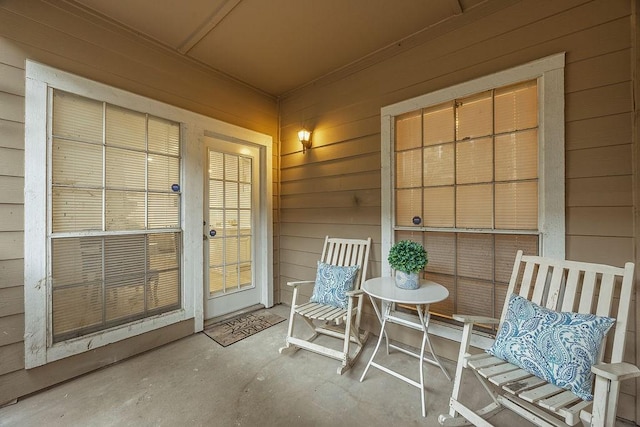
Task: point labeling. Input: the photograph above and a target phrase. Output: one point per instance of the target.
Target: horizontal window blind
(466, 173)
(114, 237)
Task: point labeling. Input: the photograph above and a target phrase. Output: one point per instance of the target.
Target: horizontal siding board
(601, 161)
(11, 301)
(11, 53)
(598, 71)
(293, 229)
(11, 162)
(599, 132)
(12, 217)
(332, 199)
(601, 101)
(11, 329)
(11, 134)
(365, 150)
(599, 191)
(11, 244)
(339, 216)
(11, 107)
(11, 358)
(361, 181)
(337, 167)
(600, 221)
(11, 79)
(604, 250)
(11, 189)
(11, 273)
(626, 406)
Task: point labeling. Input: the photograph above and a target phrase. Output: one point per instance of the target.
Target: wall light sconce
(305, 139)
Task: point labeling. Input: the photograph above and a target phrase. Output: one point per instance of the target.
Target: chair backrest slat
(555, 288)
(603, 290)
(570, 290)
(347, 252)
(605, 295)
(527, 279)
(587, 291)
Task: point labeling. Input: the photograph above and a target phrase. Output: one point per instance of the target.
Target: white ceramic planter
(407, 280)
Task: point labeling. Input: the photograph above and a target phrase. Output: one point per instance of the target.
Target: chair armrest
(301, 282)
(616, 371)
(354, 293)
(475, 319)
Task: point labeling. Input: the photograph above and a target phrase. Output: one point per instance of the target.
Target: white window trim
(549, 72)
(39, 78)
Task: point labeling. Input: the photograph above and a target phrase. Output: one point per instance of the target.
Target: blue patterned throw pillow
(558, 347)
(332, 283)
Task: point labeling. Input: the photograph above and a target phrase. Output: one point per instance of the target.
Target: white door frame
(263, 261)
(229, 302)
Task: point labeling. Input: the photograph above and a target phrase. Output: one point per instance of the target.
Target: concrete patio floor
(197, 382)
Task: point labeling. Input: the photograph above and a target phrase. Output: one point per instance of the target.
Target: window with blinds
(466, 173)
(114, 216)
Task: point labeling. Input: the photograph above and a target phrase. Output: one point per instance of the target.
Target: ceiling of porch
(276, 46)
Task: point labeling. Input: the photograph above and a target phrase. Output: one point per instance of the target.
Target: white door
(232, 203)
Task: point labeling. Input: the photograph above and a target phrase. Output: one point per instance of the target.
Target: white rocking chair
(561, 286)
(322, 319)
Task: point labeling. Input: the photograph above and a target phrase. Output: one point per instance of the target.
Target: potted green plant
(407, 258)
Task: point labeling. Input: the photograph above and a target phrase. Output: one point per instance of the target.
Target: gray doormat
(240, 327)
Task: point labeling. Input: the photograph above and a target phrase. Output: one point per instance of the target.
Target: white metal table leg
(425, 316)
(383, 321)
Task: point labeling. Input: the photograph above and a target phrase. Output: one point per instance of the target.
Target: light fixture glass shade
(305, 139)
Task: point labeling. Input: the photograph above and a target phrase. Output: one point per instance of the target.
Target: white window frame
(549, 72)
(39, 349)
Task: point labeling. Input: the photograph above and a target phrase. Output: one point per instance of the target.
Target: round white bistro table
(385, 290)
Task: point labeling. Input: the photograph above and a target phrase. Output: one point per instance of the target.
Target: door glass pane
(231, 194)
(231, 167)
(230, 215)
